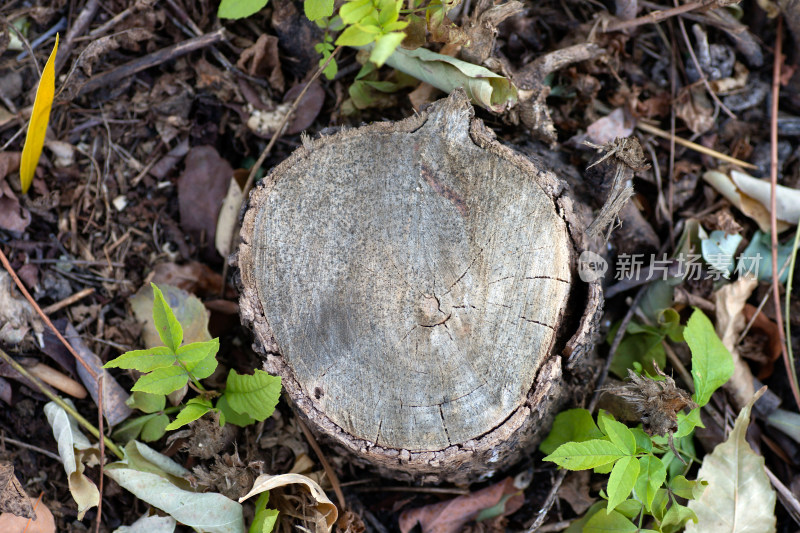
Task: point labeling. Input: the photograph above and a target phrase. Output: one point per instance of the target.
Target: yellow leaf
(37, 127)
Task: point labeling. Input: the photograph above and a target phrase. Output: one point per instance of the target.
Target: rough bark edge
(512, 438)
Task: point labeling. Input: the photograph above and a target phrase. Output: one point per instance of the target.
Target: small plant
(647, 466)
(169, 368)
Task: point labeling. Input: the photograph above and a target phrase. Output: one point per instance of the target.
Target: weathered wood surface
(409, 282)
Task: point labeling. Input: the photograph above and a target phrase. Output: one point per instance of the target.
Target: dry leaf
(13, 217)
(201, 189)
(17, 316)
(451, 516)
(769, 329)
(37, 126)
(739, 497)
(606, 129)
(752, 197)
(266, 482)
(13, 498)
(228, 215)
(694, 108)
(190, 312)
(262, 60)
(44, 523)
(73, 448)
(729, 302)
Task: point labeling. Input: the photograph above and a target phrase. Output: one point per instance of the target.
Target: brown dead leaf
(451, 516)
(13, 217)
(614, 125)
(201, 189)
(262, 60)
(17, 316)
(769, 329)
(326, 510)
(100, 48)
(44, 523)
(13, 498)
(425, 93)
(575, 491)
(307, 109)
(195, 277)
(694, 108)
(5, 391)
(9, 162)
(729, 302)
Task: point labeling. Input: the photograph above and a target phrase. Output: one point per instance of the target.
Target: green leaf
(389, 12)
(677, 516)
(652, 474)
(577, 525)
(205, 367)
(712, 364)
(643, 440)
(353, 12)
(573, 425)
(585, 455)
(629, 508)
(192, 354)
(611, 522)
(237, 419)
(167, 326)
(686, 488)
(145, 402)
(195, 408)
(155, 427)
(621, 481)
(619, 434)
(644, 348)
(238, 9)
(719, 249)
(659, 506)
(162, 380)
(144, 360)
(355, 36)
(317, 9)
(332, 69)
(255, 395)
(687, 423)
(264, 520)
(385, 46)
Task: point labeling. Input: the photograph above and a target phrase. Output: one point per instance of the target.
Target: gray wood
(410, 280)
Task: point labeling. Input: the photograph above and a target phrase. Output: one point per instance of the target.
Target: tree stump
(410, 282)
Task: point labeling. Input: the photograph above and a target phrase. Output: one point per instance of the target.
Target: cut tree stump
(414, 284)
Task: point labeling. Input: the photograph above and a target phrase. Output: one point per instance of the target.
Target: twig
(66, 302)
(773, 176)
(64, 405)
(332, 477)
(15, 442)
(24, 291)
(27, 46)
(143, 63)
(644, 126)
(257, 165)
(100, 387)
(78, 27)
(657, 16)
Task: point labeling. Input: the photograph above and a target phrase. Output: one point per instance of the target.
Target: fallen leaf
(481, 30)
(188, 309)
(729, 301)
(9, 162)
(575, 491)
(694, 108)
(114, 396)
(307, 108)
(201, 189)
(739, 497)
(606, 129)
(154, 478)
(37, 126)
(262, 60)
(150, 524)
(44, 523)
(484, 87)
(13, 498)
(194, 277)
(451, 516)
(13, 217)
(752, 197)
(324, 506)
(16, 313)
(769, 329)
(73, 446)
(228, 216)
